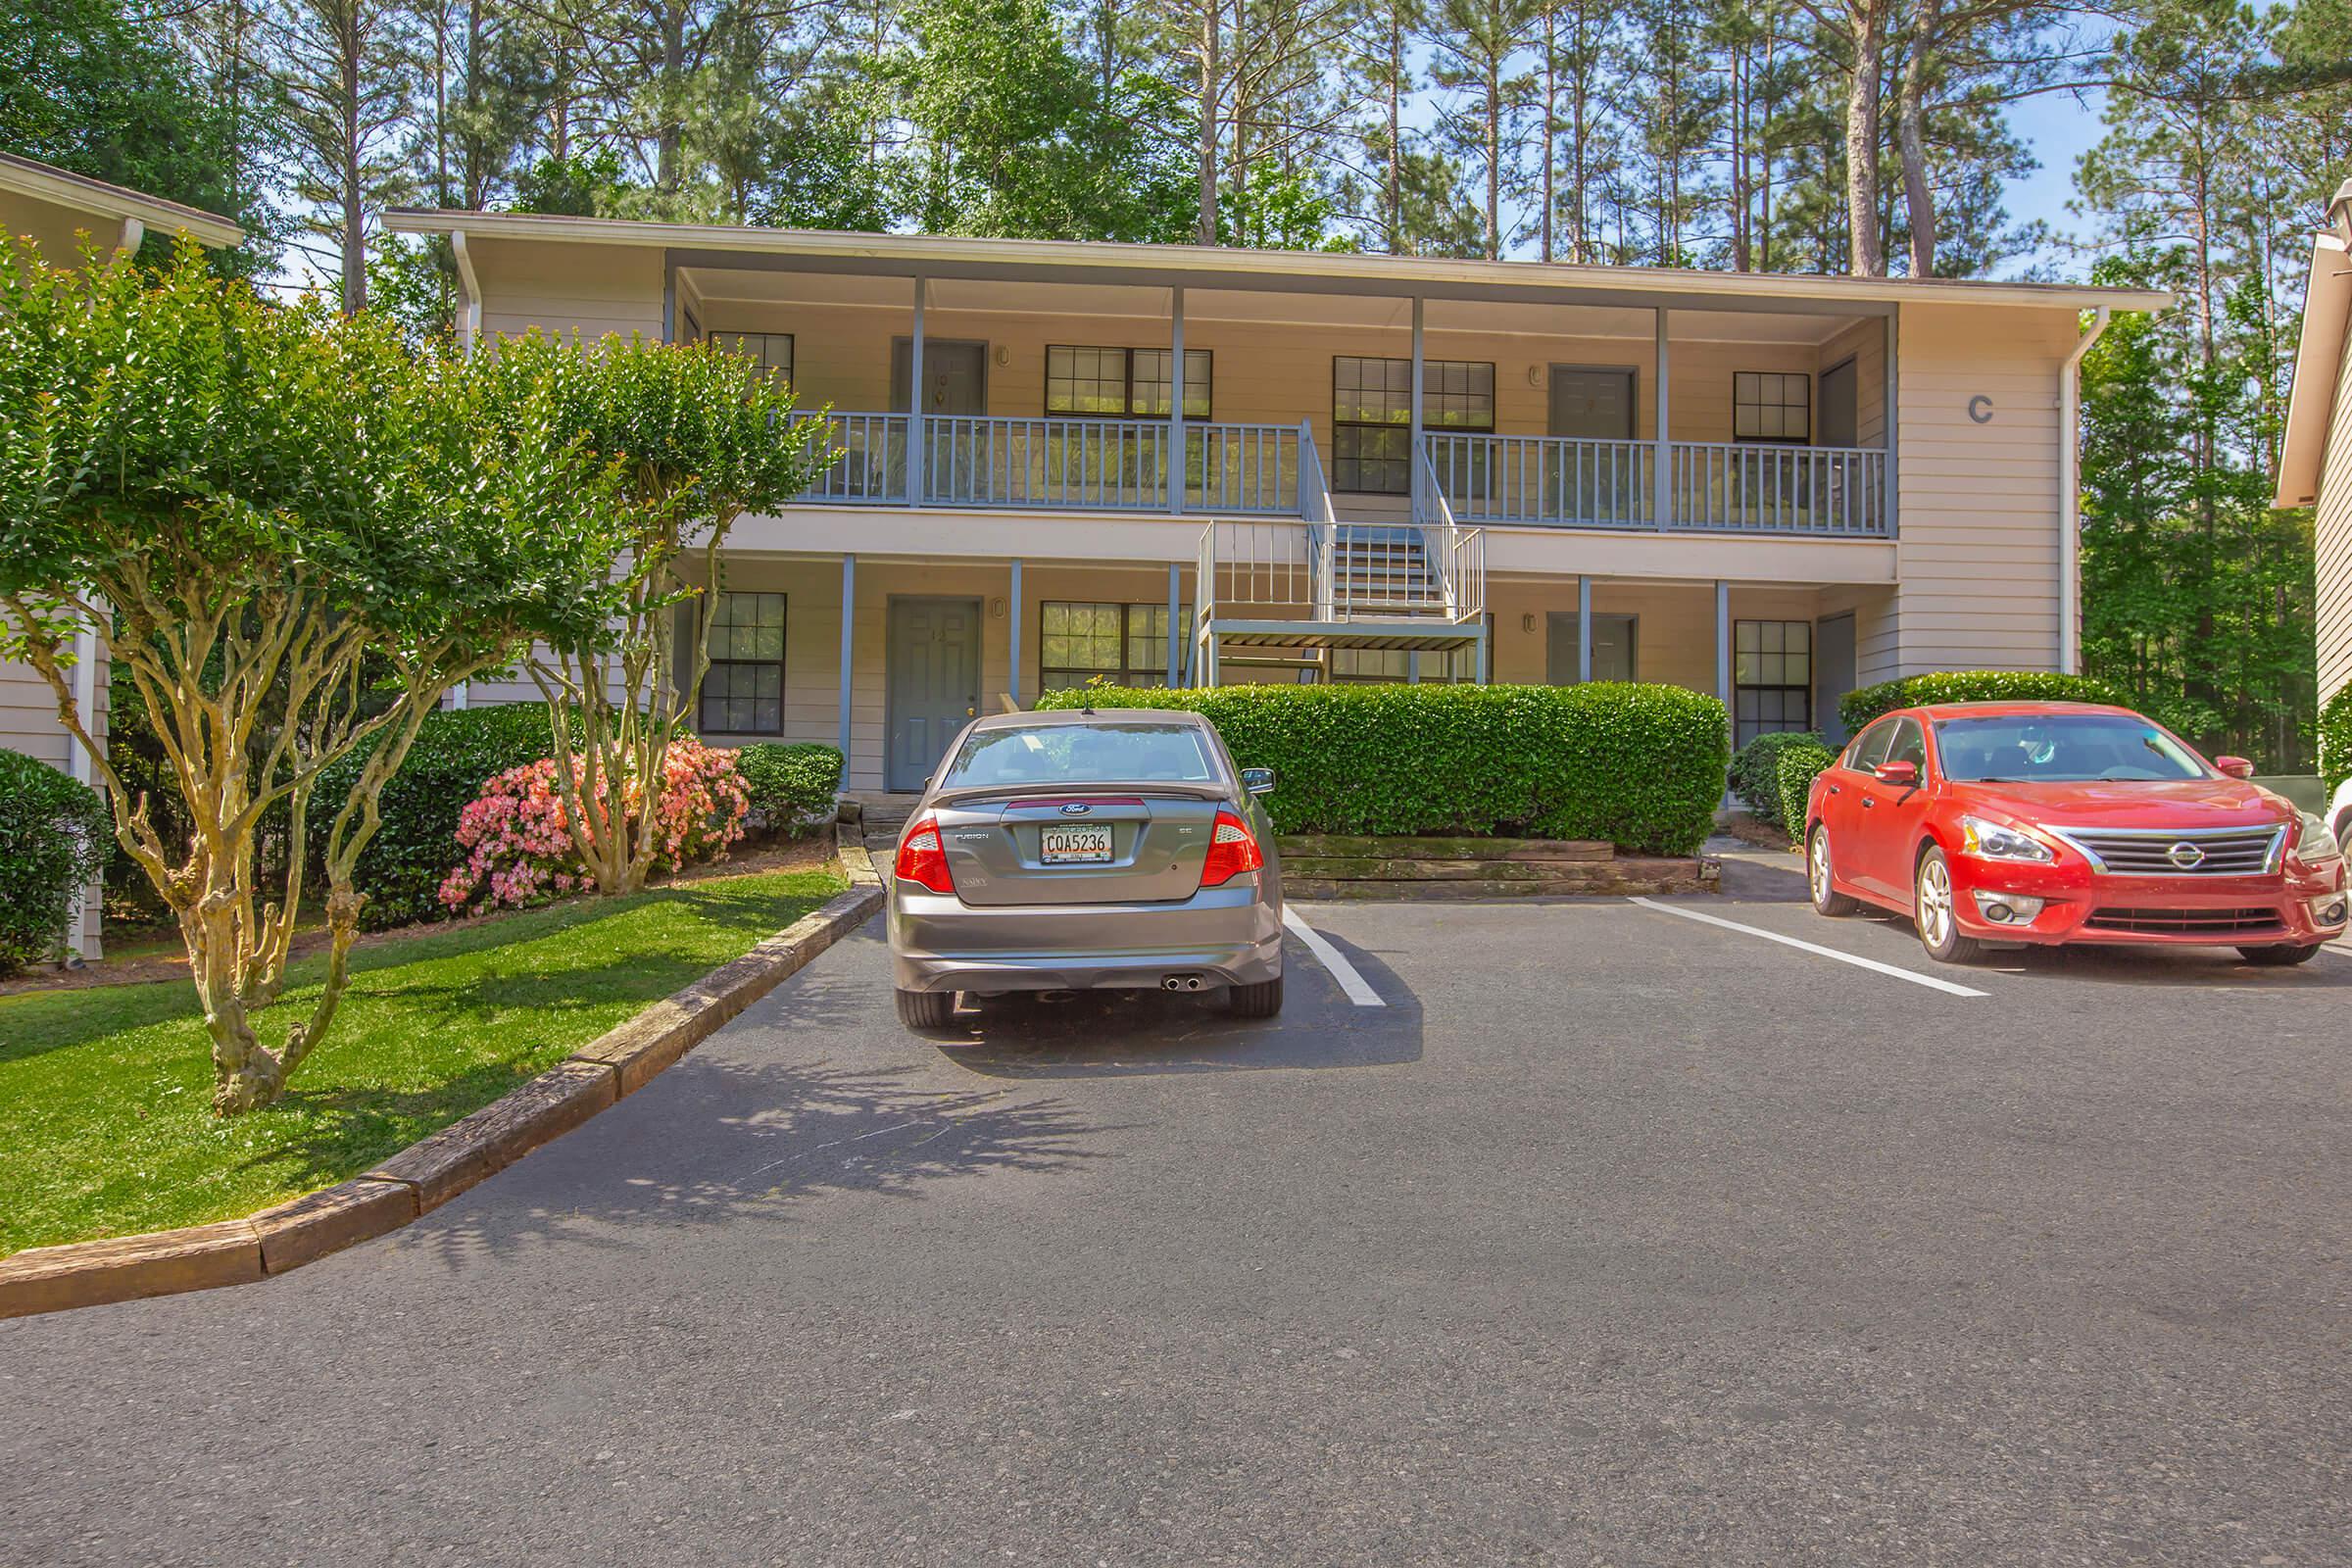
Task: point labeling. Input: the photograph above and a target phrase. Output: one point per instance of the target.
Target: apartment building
(2315, 461)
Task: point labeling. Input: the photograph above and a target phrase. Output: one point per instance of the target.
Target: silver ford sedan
(1087, 850)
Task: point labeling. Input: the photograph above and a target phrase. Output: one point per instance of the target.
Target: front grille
(2197, 852)
(2186, 922)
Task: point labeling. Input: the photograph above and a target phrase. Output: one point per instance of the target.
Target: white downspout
(82, 768)
(470, 290)
(2069, 501)
(134, 234)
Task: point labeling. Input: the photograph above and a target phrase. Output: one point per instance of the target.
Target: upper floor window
(1372, 415)
(1123, 383)
(1771, 406)
(1115, 644)
(772, 350)
(743, 691)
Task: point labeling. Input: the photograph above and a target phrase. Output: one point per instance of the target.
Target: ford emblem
(1075, 807)
(2188, 857)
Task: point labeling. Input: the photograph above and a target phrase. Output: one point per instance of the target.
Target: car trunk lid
(1095, 845)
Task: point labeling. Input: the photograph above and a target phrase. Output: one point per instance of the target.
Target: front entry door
(934, 684)
(1592, 405)
(1833, 673)
(955, 377)
(1614, 652)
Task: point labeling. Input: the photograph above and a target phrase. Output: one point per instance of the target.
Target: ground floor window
(743, 694)
(1087, 643)
(1378, 666)
(1772, 677)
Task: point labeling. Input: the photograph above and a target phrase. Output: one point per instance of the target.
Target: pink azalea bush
(518, 842)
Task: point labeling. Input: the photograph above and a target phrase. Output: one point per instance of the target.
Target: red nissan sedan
(2051, 822)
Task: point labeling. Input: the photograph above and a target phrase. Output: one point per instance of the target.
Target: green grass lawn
(106, 1125)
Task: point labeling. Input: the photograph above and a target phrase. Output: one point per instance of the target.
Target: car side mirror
(2234, 766)
(1900, 775)
(1257, 780)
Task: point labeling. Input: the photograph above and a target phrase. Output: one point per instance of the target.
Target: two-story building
(1165, 465)
(72, 218)
(2315, 460)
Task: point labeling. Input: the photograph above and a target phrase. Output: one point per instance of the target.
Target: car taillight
(1231, 852)
(924, 859)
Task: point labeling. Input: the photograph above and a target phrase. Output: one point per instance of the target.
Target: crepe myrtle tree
(290, 533)
(699, 436)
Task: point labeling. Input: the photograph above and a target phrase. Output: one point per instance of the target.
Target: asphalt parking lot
(1607, 1236)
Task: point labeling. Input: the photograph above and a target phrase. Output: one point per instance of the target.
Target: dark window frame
(1745, 728)
(704, 699)
(1208, 386)
(732, 343)
(1125, 673)
(1780, 405)
(1342, 462)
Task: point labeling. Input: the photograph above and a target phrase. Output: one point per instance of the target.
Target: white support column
(1176, 454)
(81, 763)
(469, 295)
(1012, 635)
(1175, 614)
(849, 648)
(1662, 460)
(1723, 642)
(458, 697)
(1584, 629)
(915, 399)
(1415, 436)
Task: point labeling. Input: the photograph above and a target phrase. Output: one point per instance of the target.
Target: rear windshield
(1081, 754)
(2061, 749)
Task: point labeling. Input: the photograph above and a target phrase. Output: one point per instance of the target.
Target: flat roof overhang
(704, 245)
(79, 193)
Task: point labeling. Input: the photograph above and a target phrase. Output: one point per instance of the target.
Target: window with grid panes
(1081, 643)
(772, 351)
(1772, 677)
(1367, 667)
(1372, 415)
(1123, 383)
(1771, 406)
(743, 693)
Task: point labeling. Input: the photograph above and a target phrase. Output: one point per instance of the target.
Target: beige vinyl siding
(1978, 506)
(592, 290)
(29, 724)
(2332, 541)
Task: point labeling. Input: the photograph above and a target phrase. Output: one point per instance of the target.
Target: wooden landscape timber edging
(1333, 867)
(437, 1168)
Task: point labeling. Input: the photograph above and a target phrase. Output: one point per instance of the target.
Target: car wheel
(1827, 900)
(926, 1009)
(2280, 956)
(1260, 1001)
(1938, 913)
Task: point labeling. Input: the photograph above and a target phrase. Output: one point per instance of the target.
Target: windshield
(1081, 754)
(2061, 749)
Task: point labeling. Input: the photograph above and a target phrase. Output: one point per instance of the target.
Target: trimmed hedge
(1639, 766)
(2335, 739)
(792, 787)
(1800, 765)
(455, 754)
(1757, 771)
(1973, 686)
(54, 835)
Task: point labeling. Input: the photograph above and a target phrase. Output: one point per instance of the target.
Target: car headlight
(2316, 841)
(1992, 841)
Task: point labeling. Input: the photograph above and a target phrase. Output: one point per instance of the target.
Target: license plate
(1074, 846)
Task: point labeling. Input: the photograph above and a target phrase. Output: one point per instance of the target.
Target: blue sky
(2059, 130)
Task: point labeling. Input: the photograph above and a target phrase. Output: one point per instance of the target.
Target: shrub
(1640, 766)
(1799, 767)
(1757, 771)
(401, 870)
(2335, 738)
(519, 843)
(791, 787)
(54, 834)
(1973, 686)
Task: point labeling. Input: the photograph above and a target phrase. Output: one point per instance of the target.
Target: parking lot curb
(437, 1168)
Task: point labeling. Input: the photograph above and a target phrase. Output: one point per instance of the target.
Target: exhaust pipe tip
(1180, 982)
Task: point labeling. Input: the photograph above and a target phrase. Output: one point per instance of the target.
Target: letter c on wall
(1979, 408)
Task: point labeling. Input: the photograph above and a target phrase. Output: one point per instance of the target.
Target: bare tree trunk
(1867, 256)
(1211, 91)
(1910, 110)
(1551, 118)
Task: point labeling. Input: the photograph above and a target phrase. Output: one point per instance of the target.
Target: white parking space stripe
(1927, 980)
(1358, 992)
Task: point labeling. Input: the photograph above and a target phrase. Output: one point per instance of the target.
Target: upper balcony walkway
(1254, 471)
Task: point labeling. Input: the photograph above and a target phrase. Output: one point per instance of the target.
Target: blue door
(933, 681)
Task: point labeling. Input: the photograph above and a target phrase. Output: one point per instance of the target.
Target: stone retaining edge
(437, 1168)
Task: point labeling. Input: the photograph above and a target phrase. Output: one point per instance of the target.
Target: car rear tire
(2280, 956)
(926, 1009)
(1827, 900)
(1260, 1001)
(1937, 912)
